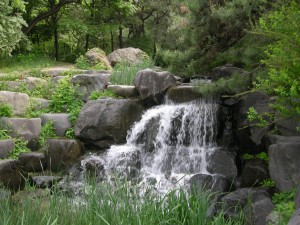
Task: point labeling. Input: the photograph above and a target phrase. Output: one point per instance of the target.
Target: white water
(181, 138)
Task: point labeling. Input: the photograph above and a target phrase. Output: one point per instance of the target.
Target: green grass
(118, 204)
(124, 74)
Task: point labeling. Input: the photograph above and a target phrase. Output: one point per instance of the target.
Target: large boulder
(129, 56)
(39, 103)
(61, 122)
(284, 163)
(295, 220)
(248, 136)
(297, 199)
(44, 181)
(62, 153)
(254, 202)
(222, 163)
(33, 161)
(254, 172)
(152, 85)
(125, 91)
(28, 129)
(97, 57)
(87, 83)
(106, 121)
(18, 101)
(5, 147)
(213, 183)
(34, 82)
(287, 126)
(226, 72)
(11, 175)
(181, 94)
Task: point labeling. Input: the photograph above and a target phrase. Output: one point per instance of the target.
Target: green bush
(82, 63)
(47, 132)
(105, 93)
(5, 110)
(20, 147)
(284, 205)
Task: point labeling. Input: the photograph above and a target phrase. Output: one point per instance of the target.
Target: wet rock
(129, 56)
(95, 169)
(152, 85)
(226, 72)
(104, 122)
(33, 161)
(295, 220)
(124, 91)
(11, 175)
(62, 153)
(44, 181)
(297, 199)
(97, 57)
(254, 172)
(249, 138)
(5, 147)
(87, 83)
(28, 129)
(286, 175)
(222, 163)
(181, 94)
(18, 101)
(213, 183)
(61, 122)
(226, 135)
(254, 202)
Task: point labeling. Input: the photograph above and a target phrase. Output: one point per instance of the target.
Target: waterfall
(167, 146)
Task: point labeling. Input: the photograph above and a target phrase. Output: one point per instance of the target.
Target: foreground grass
(117, 205)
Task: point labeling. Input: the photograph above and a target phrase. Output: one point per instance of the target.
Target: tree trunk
(112, 41)
(87, 42)
(120, 37)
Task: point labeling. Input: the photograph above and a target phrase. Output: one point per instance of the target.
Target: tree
(11, 23)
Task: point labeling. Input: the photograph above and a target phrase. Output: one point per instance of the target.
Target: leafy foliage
(284, 205)
(268, 183)
(262, 156)
(20, 147)
(5, 110)
(105, 93)
(282, 58)
(70, 133)
(46, 133)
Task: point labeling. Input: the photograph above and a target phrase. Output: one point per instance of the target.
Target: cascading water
(166, 147)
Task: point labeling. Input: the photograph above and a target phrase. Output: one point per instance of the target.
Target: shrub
(5, 110)
(105, 93)
(284, 205)
(47, 131)
(20, 147)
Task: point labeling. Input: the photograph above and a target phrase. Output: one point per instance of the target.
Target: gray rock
(295, 220)
(226, 71)
(181, 94)
(254, 202)
(275, 139)
(33, 161)
(254, 172)
(61, 122)
(39, 103)
(44, 181)
(152, 85)
(28, 129)
(11, 175)
(124, 91)
(34, 82)
(4, 195)
(297, 199)
(62, 153)
(130, 56)
(18, 101)
(287, 126)
(286, 175)
(249, 139)
(5, 147)
(96, 56)
(222, 163)
(87, 83)
(106, 121)
(273, 218)
(54, 80)
(213, 183)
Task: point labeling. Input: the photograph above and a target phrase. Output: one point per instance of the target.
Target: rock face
(130, 56)
(40, 103)
(12, 175)
(62, 153)
(33, 82)
(249, 139)
(208, 182)
(226, 71)
(181, 94)
(297, 199)
(5, 147)
(33, 161)
(254, 172)
(18, 101)
(28, 129)
(106, 121)
(124, 91)
(284, 163)
(87, 83)
(97, 57)
(295, 220)
(256, 203)
(152, 85)
(61, 122)
(286, 126)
